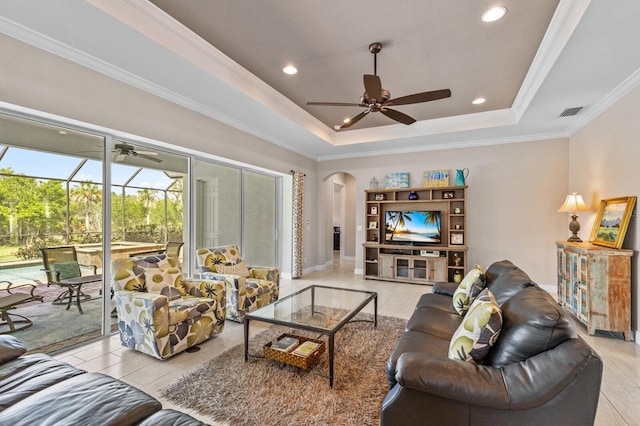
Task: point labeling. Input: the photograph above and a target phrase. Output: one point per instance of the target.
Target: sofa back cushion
(505, 279)
(532, 322)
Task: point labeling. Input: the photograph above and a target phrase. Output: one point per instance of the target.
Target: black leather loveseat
(39, 390)
(539, 372)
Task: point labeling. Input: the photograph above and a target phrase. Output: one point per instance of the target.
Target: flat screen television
(412, 227)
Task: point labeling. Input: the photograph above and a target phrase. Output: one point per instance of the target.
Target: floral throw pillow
(478, 331)
(469, 288)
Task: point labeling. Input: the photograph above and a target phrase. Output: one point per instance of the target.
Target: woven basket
(290, 358)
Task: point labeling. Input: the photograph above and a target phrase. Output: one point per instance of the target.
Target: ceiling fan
(377, 99)
(123, 150)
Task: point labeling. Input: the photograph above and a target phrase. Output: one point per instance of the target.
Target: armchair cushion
(239, 269)
(66, 270)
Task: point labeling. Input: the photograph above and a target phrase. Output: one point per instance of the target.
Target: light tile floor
(619, 399)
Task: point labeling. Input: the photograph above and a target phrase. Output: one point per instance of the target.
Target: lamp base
(574, 227)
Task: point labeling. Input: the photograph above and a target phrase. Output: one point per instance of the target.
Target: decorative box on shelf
(290, 358)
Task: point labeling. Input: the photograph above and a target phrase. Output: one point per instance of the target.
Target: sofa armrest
(456, 380)
(443, 287)
(518, 386)
(10, 348)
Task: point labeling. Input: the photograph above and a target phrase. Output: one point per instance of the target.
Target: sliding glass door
(51, 205)
(234, 206)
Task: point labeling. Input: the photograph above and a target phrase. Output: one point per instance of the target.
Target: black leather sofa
(40, 390)
(539, 372)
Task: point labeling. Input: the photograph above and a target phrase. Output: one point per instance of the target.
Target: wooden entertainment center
(413, 263)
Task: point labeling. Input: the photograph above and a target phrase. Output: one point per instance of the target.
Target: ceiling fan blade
(335, 104)
(420, 97)
(149, 157)
(354, 120)
(398, 116)
(373, 87)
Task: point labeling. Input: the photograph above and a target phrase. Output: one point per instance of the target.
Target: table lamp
(574, 204)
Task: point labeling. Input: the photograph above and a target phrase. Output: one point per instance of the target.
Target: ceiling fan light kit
(377, 99)
(123, 150)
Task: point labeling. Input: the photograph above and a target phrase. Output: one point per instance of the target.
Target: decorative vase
(413, 195)
(373, 183)
(457, 277)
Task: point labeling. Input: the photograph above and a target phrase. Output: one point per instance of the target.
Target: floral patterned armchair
(160, 312)
(248, 288)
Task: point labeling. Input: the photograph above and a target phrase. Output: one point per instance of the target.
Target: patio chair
(160, 312)
(61, 263)
(248, 288)
(12, 296)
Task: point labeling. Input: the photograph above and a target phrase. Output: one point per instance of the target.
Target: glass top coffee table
(320, 309)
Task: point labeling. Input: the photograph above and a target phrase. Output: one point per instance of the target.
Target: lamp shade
(573, 204)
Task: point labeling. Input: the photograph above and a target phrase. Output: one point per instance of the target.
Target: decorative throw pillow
(469, 288)
(260, 273)
(478, 331)
(237, 269)
(66, 270)
(167, 282)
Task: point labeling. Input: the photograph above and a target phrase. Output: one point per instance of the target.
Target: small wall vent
(570, 112)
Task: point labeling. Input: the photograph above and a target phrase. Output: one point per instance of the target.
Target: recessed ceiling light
(290, 69)
(479, 101)
(346, 120)
(494, 14)
(62, 132)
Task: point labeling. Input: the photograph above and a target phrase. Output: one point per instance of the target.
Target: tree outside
(33, 214)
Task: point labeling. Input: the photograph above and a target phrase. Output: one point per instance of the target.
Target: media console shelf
(413, 263)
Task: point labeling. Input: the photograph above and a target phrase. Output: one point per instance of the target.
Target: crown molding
(564, 22)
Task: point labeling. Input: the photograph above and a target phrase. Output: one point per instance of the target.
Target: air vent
(570, 111)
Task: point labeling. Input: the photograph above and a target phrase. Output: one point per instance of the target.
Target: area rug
(265, 392)
(54, 327)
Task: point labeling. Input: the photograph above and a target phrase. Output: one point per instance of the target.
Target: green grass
(7, 253)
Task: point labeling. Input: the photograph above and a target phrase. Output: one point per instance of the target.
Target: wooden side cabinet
(594, 283)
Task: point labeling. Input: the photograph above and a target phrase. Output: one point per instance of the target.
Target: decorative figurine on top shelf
(413, 195)
(373, 183)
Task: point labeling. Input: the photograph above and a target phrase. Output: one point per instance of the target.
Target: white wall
(514, 193)
(604, 163)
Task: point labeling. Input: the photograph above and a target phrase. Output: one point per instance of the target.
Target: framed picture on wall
(612, 221)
